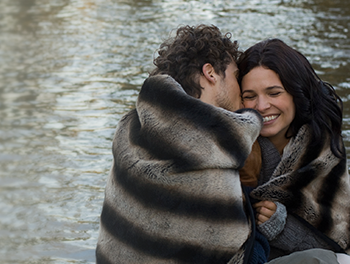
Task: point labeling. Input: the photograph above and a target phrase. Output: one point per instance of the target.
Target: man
(174, 193)
(204, 63)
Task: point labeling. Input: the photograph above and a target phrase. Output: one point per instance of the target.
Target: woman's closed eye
(248, 96)
(275, 94)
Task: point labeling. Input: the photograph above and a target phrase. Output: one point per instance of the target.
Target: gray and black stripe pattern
(174, 194)
(314, 185)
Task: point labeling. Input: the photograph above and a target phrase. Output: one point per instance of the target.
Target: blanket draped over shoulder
(174, 194)
(313, 184)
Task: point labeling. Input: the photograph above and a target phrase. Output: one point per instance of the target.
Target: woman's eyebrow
(248, 91)
(267, 88)
(274, 86)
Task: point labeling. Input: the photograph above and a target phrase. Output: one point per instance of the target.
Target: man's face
(228, 94)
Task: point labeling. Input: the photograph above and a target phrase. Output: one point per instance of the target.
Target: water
(71, 68)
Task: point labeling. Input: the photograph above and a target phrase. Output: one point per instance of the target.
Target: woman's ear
(209, 73)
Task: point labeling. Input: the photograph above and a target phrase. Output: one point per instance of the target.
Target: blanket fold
(313, 184)
(174, 194)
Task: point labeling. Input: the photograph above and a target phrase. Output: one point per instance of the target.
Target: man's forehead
(235, 67)
(232, 66)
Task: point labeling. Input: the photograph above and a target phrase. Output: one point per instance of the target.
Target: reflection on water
(71, 68)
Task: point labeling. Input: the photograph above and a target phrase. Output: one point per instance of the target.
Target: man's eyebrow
(236, 72)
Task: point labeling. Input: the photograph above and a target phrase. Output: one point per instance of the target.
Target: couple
(181, 189)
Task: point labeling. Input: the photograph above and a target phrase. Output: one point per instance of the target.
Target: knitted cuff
(272, 227)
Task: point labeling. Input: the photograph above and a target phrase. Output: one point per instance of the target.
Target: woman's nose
(262, 104)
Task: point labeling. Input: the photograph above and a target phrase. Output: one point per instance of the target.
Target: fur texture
(174, 194)
(313, 184)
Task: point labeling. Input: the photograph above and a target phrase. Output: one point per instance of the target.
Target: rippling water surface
(71, 68)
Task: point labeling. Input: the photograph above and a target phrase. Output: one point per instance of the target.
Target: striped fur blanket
(174, 194)
(314, 185)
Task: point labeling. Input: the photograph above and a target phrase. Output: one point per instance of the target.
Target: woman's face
(263, 91)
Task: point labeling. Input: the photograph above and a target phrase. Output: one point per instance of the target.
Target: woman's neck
(280, 143)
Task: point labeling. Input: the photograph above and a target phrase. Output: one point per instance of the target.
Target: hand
(264, 209)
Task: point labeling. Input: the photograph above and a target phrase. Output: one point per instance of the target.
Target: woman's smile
(269, 118)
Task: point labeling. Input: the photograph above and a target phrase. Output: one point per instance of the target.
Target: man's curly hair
(183, 56)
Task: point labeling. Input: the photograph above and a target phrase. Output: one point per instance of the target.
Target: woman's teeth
(269, 118)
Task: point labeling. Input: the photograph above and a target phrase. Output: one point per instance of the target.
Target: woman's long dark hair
(316, 102)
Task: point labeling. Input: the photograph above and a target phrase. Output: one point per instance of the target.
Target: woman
(303, 187)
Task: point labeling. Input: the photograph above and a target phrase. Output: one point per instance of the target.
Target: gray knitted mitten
(272, 227)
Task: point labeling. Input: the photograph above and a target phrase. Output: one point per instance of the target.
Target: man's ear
(209, 73)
